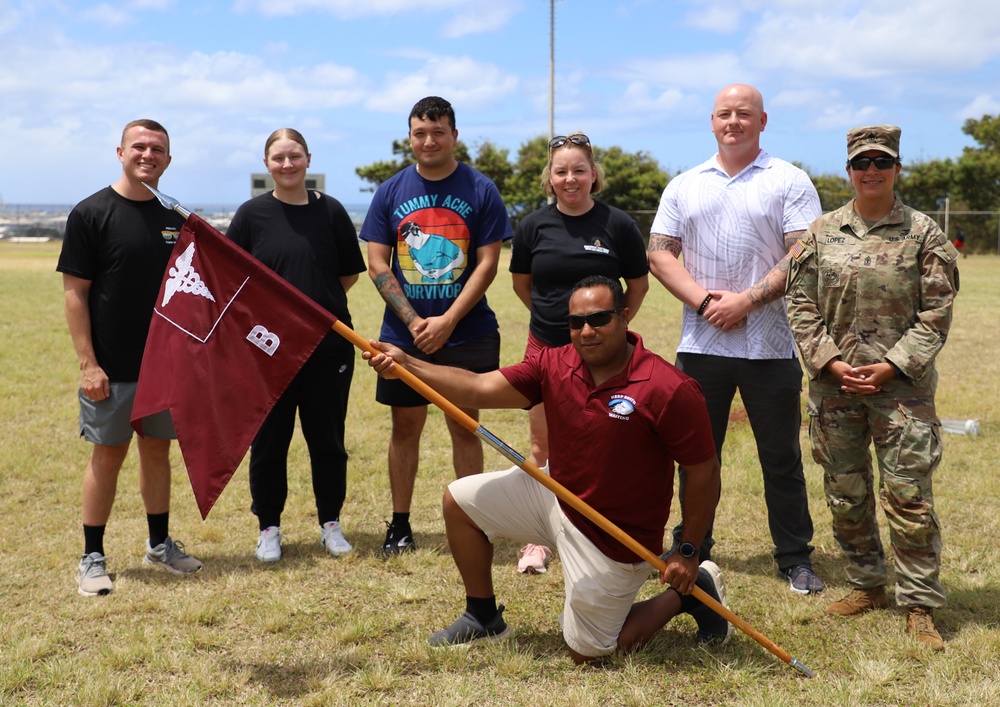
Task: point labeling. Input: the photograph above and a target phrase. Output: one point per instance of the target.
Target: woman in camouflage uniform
(870, 296)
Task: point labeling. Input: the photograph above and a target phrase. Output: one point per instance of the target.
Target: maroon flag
(226, 338)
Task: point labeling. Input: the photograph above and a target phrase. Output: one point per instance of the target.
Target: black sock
(401, 520)
(266, 522)
(485, 610)
(93, 539)
(158, 524)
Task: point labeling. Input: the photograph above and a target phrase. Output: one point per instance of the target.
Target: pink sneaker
(534, 559)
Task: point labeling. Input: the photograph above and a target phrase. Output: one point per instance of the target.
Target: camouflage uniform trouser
(908, 448)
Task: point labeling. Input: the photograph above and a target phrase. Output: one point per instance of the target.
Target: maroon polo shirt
(615, 445)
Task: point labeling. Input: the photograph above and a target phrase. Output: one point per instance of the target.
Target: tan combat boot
(859, 601)
(920, 625)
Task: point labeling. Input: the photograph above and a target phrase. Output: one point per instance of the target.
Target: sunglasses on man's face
(578, 139)
(860, 164)
(594, 319)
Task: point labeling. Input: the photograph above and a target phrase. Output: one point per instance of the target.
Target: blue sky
(642, 74)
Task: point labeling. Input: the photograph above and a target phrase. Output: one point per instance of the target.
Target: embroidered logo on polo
(620, 407)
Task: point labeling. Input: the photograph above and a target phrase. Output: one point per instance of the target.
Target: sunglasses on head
(577, 139)
(861, 164)
(594, 319)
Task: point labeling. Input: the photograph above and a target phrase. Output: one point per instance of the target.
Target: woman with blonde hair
(556, 246)
(307, 238)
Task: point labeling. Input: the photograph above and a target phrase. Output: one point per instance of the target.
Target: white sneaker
(269, 544)
(332, 538)
(92, 576)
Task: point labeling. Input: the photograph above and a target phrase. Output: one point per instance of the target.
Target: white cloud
(465, 82)
(723, 18)
(477, 19)
(981, 105)
(106, 14)
(693, 71)
(348, 9)
(880, 38)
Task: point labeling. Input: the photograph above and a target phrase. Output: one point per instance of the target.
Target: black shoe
(802, 579)
(398, 539)
(712, 628)
(467, 630)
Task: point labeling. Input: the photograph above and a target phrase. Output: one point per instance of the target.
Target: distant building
(262, 182)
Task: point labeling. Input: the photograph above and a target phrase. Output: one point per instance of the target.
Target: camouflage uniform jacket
(882, 293)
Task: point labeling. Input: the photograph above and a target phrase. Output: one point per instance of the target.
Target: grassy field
(312, 630)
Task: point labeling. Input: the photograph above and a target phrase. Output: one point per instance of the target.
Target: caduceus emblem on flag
(182, 277)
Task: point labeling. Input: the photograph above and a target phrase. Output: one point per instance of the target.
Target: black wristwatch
(687, 550)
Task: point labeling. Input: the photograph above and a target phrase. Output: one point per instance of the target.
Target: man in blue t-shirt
(434, 232)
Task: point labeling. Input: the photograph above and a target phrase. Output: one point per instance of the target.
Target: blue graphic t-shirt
(434, 228)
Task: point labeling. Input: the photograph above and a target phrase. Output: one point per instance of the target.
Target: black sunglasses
(861, 164)
(577, 139)
(594, 319)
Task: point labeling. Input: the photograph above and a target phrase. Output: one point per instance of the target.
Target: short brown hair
(149, 125)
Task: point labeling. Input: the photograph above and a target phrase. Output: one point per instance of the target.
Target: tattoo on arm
(658, 241)
(772, 286)
(392, 293)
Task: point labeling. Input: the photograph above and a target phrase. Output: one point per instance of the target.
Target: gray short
(108, 421)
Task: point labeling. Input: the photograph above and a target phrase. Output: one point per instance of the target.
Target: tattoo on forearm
(658, 241)
(392, 293)
(772, 287)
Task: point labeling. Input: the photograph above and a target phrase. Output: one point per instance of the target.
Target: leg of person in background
(269, 472)
(323, 412)
(534, 559)
(404, 455)
(772, 395)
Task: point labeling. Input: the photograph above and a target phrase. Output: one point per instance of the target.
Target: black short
(479, 356)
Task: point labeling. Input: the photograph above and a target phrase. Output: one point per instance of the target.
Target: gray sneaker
(170, 556)
(92, 576)
(467, 630)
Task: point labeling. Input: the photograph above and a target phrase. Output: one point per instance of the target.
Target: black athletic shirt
(559, 250)
(122, 246)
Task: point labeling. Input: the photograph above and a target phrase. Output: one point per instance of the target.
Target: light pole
(552, 68)
(552, 74)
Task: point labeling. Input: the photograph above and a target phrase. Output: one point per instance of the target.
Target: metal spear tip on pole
(168, 202)
(797, 664)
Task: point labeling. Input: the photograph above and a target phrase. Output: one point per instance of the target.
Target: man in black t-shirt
(116, 248)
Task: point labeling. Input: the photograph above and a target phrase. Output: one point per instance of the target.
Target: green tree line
(635, 180)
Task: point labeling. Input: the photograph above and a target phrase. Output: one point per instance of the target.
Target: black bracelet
(704, 303)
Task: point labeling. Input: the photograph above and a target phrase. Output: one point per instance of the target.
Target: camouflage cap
(873, 137)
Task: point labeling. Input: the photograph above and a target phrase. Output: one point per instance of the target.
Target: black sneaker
(712, 628)
(467, 630)
(398, 539)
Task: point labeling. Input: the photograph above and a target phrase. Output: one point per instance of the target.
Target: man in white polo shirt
(734, 218)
